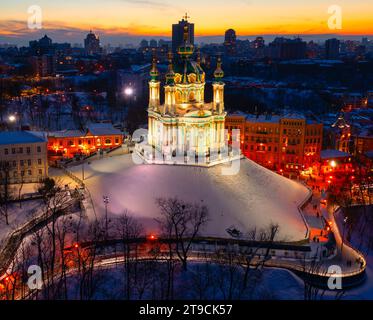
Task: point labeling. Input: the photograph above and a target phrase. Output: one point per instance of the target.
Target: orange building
(289, 142)
(98, 136)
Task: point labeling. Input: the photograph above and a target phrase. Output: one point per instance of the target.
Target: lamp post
(12, 119)
(83, 170)
(106, 202)
(343, 234)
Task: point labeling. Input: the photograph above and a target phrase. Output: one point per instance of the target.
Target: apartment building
(23, 156)
(287, 142)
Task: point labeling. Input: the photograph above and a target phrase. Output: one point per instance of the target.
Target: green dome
(189, 71)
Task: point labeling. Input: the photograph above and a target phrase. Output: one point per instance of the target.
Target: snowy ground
(273, 284)
(254, 197)
(18, 216)
(365, 291)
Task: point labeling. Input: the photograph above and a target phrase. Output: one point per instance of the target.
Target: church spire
(170, 75)
(186, 49)
(218, 73)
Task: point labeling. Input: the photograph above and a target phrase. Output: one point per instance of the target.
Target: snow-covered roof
(263, 118)
(100, 129)
(19, 137)
(331, 153)
(66, 134)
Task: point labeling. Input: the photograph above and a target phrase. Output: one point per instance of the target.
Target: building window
(29, 172)
(28, 150)
(116, 140)
(20, 150)
(40, 172)
(29, 162)
(6, 151)
(13, 150)
(39, 161)
(107, 141)
(22, 163)
(39, 149)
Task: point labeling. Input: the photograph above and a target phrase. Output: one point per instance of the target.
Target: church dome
(189, 71)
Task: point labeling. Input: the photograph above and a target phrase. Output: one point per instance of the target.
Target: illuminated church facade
(185, 123)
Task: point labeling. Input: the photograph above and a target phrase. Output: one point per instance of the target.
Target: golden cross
(186, 16)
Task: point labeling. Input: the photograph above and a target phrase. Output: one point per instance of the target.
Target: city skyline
(121, 21)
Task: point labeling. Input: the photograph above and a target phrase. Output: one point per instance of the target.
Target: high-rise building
(230, 41)
(42, 46)
(332, 48)
(178, 33)
(92, 44)
(153, 43)
(144, 43)
(259, 43)
(44, 65)
(287, 49)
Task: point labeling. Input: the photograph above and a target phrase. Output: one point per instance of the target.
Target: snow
(255, 197)
(15, 137)
(18, 216)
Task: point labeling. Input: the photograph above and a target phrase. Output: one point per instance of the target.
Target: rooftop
(100, 129)
(18, 137)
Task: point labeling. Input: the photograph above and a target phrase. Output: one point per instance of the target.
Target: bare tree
(182, 221)
(5, 190)
(129, 230)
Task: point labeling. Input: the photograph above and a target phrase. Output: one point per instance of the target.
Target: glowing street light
(333, 164)
(106, 202)
(128, 91)
(12, 118)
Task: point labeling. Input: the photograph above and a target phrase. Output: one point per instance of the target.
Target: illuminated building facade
(98, 136)
(335, 163)
(289, 142)
(341, 132)
(185, 123)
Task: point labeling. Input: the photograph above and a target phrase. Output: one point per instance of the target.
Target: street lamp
(343, 234)
(12, 118)
(106, 202)
(128, 91)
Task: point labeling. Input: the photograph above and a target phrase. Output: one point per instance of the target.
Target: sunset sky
(69, 19)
